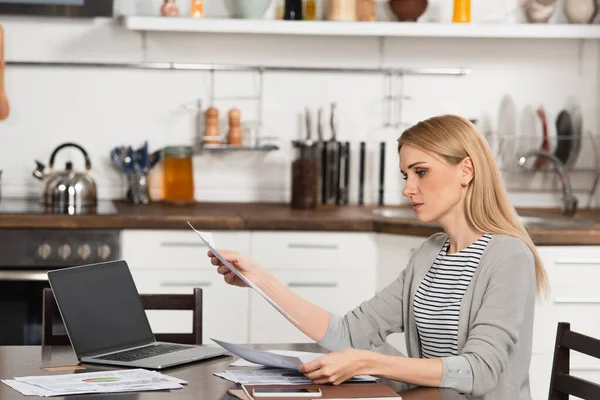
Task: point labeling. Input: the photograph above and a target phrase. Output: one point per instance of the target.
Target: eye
(420, 172)
(404, 176)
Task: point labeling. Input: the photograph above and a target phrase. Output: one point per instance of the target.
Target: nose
(409, 188)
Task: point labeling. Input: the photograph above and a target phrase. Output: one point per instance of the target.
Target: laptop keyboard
(143, 352)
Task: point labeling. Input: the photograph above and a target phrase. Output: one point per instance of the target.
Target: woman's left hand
(337, 367)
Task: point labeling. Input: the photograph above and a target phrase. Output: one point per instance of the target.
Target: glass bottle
(293, 10)
(462, 11)
(169, 9)
(178, 174)
(197, 8)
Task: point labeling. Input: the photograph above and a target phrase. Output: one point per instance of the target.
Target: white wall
(101, 108)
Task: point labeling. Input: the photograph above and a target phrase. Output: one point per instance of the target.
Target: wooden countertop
(272, 216)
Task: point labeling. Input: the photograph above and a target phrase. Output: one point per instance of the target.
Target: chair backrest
(561, 383)
(191, 302)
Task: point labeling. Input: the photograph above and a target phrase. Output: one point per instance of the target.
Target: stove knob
(84, 251)
(104, 252)
(44, 251)
(64, 251)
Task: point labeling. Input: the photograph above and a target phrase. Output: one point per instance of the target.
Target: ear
(467, 171)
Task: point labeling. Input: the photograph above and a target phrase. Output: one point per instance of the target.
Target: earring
(464, 184)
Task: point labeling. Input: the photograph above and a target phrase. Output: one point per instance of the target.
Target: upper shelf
(376, 29)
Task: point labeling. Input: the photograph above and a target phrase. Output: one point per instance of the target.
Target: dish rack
(580, 155)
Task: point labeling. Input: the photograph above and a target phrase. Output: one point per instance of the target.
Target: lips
(416, 206)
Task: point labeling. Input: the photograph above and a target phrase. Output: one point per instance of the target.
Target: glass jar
(178, 174)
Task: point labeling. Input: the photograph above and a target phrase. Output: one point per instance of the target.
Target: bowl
(247, 9)
(408, 10)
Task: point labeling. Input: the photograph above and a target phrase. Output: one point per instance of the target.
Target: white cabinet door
(310, 251)
(574, 273)
(169, 249)
(175, 261)
(393, 253)
(335, 292)
(333, 270)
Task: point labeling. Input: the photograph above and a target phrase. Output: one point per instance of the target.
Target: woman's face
(433, 186)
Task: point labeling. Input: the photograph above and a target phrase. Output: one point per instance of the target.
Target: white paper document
(275, 376)
(304, 356)
(130, 380)
(205, 238)
(261, 357)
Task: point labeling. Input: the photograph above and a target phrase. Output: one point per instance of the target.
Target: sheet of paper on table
(118, 381)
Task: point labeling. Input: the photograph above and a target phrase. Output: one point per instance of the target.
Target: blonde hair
(487, 206)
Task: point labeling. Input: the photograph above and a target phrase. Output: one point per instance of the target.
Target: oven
(26, 257)
(58, 8)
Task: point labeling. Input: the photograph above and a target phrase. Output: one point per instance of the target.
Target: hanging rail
(234, 67)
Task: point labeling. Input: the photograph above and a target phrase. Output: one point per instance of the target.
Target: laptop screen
(101, 307)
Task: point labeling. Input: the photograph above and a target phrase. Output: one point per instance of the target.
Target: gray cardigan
(495, 324)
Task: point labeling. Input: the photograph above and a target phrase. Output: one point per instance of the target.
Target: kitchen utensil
(345, 194)
(67, 190)
(247, 9)
(540, 161)
(332, 160)
(323, 154)
(381, 172)
(574, 110)
(564, 134)
(361, 174)
(4, 105)
(507, 128)
(408, 10)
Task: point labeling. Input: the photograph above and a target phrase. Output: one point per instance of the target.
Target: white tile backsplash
(101, 108)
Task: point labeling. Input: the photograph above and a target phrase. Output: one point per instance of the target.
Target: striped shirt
(438, 298)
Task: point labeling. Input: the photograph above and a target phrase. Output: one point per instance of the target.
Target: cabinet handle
(313, 246)
(182, 244)
(312, 284)
(186, 284)
(586, 261)
(575, 300)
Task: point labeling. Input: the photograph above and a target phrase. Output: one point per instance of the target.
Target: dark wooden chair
(561, 383)
(150, 302)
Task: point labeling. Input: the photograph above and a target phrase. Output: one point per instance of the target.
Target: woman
(466, 298)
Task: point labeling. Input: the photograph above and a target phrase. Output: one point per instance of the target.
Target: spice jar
(169, 8)
(341, 10)
(234, 136)
(211, 126)
(366, 10)
(197, 8)
(178, 174)
(305, 176)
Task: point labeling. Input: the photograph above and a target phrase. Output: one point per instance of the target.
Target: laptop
(106, 321)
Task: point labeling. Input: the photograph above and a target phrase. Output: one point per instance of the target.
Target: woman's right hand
(249, 268)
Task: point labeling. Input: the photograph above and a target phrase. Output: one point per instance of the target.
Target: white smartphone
(286, 392)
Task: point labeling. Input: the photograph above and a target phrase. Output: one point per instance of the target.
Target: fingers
(311, 366)
(223, 270)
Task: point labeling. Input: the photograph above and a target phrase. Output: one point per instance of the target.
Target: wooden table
(16, 361)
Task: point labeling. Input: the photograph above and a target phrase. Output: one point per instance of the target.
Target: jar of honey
(178, 174)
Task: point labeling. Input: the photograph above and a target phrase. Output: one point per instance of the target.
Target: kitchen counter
(270, 216)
